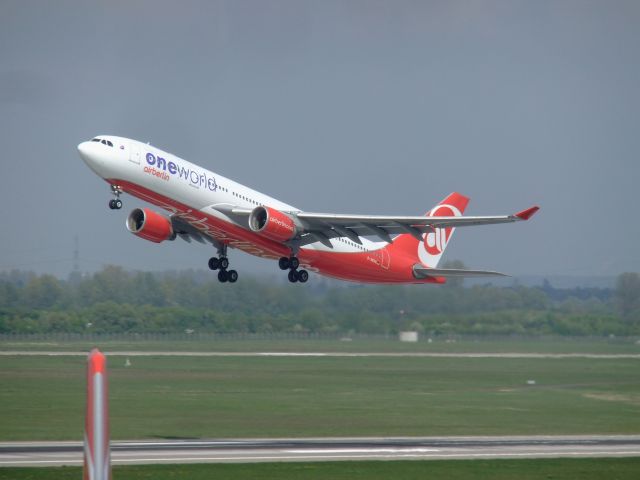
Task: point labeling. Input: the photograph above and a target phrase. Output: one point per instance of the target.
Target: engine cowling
(272, 223)
(152, 226)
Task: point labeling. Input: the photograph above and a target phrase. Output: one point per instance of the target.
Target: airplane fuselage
(205, 199)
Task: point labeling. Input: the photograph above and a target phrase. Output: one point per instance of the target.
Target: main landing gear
(116, 203)
(221, 263)
(292, 263)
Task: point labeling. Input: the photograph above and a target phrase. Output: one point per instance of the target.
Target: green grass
(548, 469)
(42, 398)
(439, 345)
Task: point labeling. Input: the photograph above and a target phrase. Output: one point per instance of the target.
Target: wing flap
(187, 232)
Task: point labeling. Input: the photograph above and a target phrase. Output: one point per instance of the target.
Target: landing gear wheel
(293, 276)
(117, 204)
(294, 263)
(224, 263)
(303, 276)
(112, 204)
(232, 276)
(214, 263)
(223, 276)
(283, 263)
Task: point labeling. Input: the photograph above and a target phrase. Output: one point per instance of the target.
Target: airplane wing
(322, 227)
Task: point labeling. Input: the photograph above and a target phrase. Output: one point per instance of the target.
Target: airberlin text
(282, 224)
(158, 167)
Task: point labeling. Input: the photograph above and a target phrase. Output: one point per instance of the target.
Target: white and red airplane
(207, 207)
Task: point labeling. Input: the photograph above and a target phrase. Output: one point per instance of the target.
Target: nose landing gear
(115, 203)
(292, 263)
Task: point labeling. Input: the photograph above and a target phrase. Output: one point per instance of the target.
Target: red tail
(429, 251)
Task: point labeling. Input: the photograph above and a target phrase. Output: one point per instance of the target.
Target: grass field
(438, 345)
(548, 469)
(42, 398)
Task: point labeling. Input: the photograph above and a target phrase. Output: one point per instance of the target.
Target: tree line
(114, 300)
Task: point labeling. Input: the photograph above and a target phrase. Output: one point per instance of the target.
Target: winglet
(528, 213)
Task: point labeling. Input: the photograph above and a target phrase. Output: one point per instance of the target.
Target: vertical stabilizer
(428, 251)
(97, 457)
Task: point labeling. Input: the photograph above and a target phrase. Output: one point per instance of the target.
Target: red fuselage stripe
(375, 266)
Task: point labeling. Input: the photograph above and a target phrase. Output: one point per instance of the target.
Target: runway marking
(385, 457)
(365, 450)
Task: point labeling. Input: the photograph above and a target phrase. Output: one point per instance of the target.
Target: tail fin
(429, 250)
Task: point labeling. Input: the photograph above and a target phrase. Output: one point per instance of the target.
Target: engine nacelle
(152, 226)
(272, 223)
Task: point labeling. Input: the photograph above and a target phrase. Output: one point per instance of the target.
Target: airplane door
(383, 258)
(134, 153)
(385, 261)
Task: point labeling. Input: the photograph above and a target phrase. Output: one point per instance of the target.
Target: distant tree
(117, 301)
(42, 292)
(9, 294)
(454, 282)
(627, 296)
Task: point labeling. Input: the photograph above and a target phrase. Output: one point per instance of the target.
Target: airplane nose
(90, 156)
(83, 150)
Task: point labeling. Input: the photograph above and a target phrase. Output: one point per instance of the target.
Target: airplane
(209, 208)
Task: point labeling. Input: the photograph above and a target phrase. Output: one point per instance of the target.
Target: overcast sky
(370, 107)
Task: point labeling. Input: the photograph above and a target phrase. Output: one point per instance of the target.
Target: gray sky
(372, 107)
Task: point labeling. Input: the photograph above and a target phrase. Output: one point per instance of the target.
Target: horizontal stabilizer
(422, 272)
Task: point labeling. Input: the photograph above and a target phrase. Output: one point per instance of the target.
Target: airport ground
(163, 397)
(565, 468)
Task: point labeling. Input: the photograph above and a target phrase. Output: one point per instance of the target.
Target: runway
(602, 356)
(47, 454)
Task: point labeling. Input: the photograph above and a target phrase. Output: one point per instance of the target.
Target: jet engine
(152, 226)
(272, 223)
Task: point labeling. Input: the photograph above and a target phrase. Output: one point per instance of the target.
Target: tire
(303, 276)
(283, 263)
(294, 263)
(214, 263)
(223, 276)
(112, 204)
(118, 204)
(233, 276)
(293, 276)
(224, 263)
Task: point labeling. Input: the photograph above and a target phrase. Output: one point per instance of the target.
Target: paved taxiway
(324, 449)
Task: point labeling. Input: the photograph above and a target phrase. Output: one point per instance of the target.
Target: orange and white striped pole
(97, 458)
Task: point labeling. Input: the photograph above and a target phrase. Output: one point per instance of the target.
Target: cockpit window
(102, 141)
